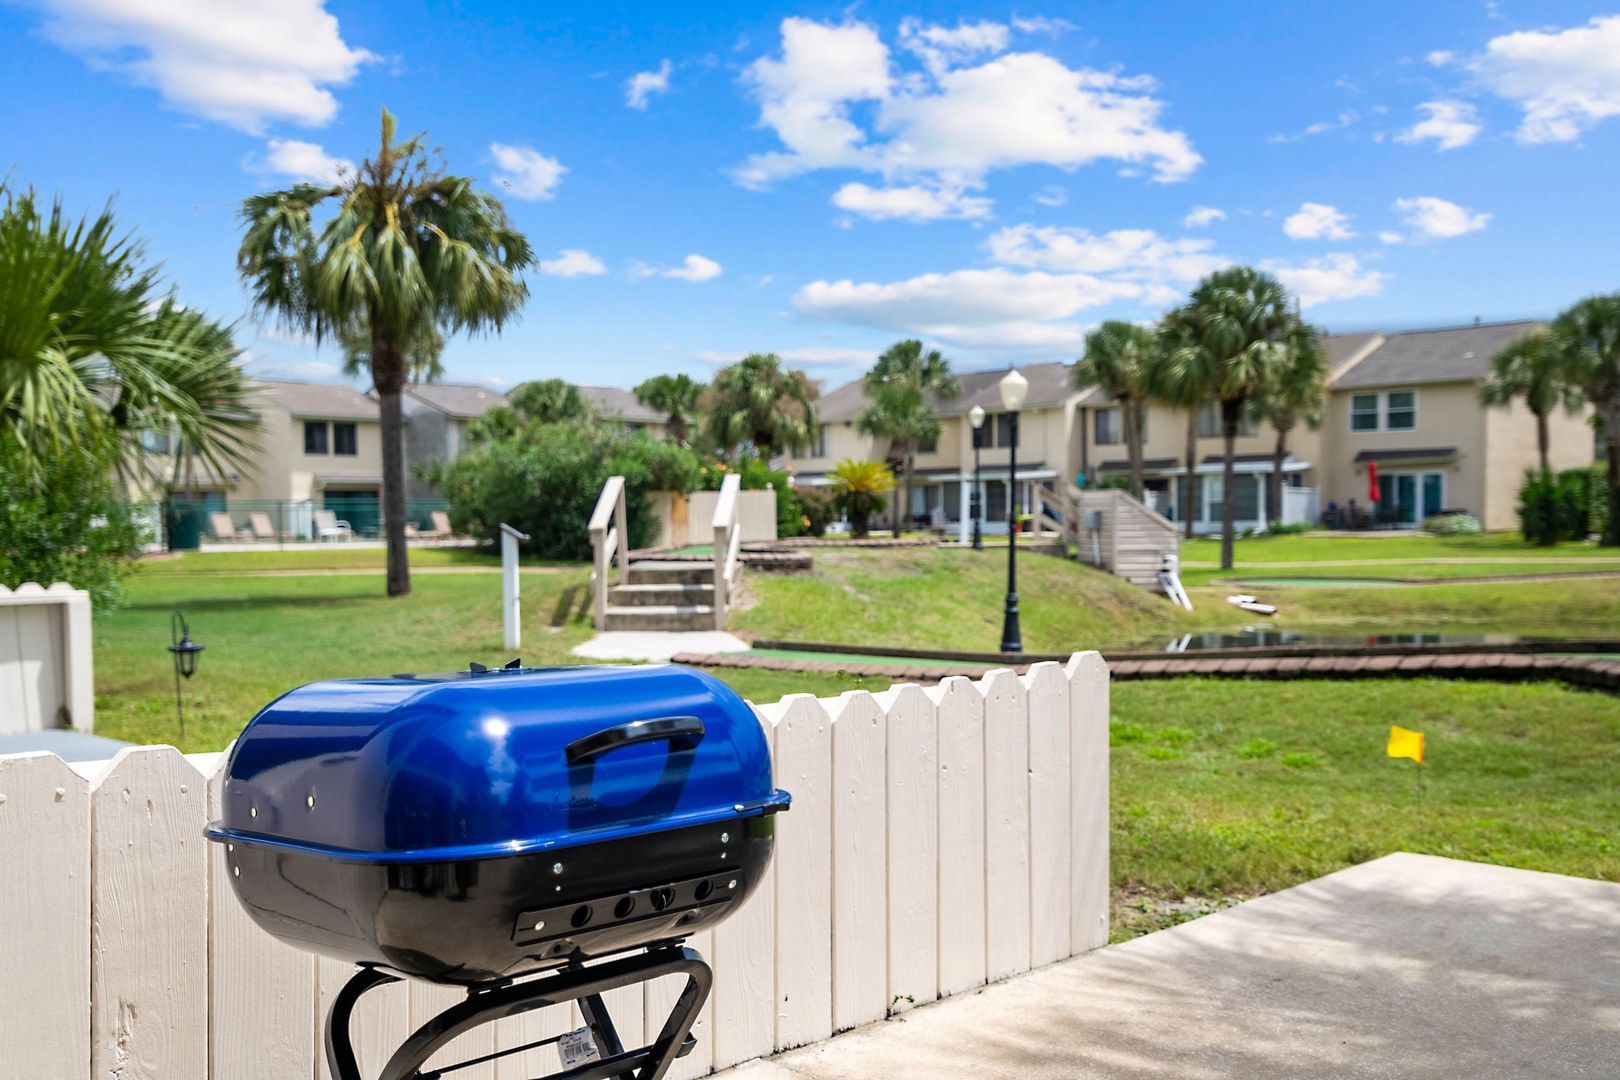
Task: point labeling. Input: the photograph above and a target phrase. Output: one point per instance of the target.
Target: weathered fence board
(1006, 816)
(913, 800)
(961, 834)
(44, 919)
(149, 918)
(1047, 688)
(938, 839)
(859, 861)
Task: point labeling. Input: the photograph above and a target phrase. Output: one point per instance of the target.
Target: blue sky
(819, 181)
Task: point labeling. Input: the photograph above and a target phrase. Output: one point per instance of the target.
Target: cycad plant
(859, 488)
(395, 252)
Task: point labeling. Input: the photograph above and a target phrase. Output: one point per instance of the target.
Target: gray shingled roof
(611, 401)
(1048, 385)
(331, 401)
(1341, 347)
(1454, 354)
(457, 399)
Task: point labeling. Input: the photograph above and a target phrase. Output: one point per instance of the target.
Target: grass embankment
(1224, 790)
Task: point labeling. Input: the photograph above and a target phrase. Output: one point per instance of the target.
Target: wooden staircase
(663, 596)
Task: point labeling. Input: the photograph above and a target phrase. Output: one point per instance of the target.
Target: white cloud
(1450, 124)
(953, 124)
(573, 262)
(1331, 277)
(1438, 218)
(1566, 81)
(301, 161)
(1199, 216)
(813, 356)
(1343, 120)
(941, 48)
(1040, 24)
(696, 268)
(644, 84)
(244, 63)
(913, 203)
(1051, 195)
(526, 173)
(1317, 221)
(1391, 238)
(297, 369)
(1139, 255)
(495, 382)
(1440, 57)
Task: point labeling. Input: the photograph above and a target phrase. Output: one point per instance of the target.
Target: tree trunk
(911, 467)
(1611, 435)
(1231, 414)
(1541, 442)
(1189, 500)
(1131, 418)
(1274, 484)
(388, 378)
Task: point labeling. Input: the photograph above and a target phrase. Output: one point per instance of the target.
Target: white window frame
(1377, 413)
(1387, 395)
(1118, 415)
(1381, 411)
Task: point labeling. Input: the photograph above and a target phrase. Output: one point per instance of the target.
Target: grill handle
(683, 733)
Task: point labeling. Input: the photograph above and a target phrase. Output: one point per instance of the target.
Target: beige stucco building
(1408, 401)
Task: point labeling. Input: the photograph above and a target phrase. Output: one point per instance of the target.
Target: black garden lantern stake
(185, 660)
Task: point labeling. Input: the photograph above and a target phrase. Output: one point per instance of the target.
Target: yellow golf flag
(1403, 743)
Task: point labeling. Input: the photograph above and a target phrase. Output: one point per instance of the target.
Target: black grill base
(485, 1006)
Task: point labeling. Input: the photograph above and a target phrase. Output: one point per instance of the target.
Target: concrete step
(660, 617)
(661, 594)
(655, 572)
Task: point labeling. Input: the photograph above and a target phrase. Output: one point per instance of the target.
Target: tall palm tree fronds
(758, 401)
(1588, 334)
(405, 251)
(1533, 367)
(676, 396)
(1231, 330)
(1116, 361)
(93, 353)
(1178, 386)
(899, 386)
(1293, 392)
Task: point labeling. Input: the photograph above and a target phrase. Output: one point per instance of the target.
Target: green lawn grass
(1227, 789)
(1308, 547)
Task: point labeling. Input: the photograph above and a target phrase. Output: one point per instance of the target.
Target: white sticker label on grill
(576, 1048)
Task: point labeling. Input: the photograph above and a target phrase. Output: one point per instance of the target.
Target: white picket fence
(939, 839)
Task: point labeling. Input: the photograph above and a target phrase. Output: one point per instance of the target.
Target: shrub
(815, 507)
(858, 492)
(1555, 508)
(545, 479)
(1452, 525)
(1277, 528)
(71, 526)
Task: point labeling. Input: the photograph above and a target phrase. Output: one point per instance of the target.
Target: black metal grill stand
(486, 1005)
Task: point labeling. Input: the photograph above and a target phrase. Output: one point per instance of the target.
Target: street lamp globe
(1014, 389)
(976, 417)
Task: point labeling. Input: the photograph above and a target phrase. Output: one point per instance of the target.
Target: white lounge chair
(329, 527)
(220, 527)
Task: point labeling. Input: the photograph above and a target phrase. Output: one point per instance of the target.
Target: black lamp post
(1014, 389)
(185, 660)
(976, 418)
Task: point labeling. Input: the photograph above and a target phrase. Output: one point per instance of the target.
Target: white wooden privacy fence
(45, 661)
(939, 838)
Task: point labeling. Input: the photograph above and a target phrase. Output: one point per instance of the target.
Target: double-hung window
(345, 440)
(314, 436)
(1364, 412)
(1400, 412)
(1395, 410)
(1108, 427)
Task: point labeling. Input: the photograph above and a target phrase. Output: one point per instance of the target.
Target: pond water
(1270, 637)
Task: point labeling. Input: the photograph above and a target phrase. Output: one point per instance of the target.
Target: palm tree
(94, 354)
(1178, 386)
(1534, 368)
(1116, 359)
(1232, 328)
(758, 401)
(899, 414)
(407, 250)
(858, 490)
(676, 396)
(1294, 392)
(549, 401)
(1589, 336)
(899, 385)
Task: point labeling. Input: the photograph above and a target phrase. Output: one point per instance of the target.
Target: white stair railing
(610, 540)
(727, 545)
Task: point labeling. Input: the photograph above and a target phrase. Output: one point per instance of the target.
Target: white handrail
(727, 543)
(607, 542)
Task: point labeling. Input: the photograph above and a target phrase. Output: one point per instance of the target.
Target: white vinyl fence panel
(45, 663)
(938, 839)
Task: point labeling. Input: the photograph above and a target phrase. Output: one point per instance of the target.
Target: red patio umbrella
(1373, 492)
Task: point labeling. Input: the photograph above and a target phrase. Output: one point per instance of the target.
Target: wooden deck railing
(727, 545)
(610, 541)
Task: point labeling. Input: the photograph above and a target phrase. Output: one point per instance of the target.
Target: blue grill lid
(469, 766)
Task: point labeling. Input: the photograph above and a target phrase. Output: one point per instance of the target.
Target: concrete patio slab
(657, 645)
(1407, 966)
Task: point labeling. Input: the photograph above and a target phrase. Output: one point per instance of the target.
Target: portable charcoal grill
(478, 827)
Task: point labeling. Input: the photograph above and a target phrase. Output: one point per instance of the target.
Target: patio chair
(441, 527)
(259, 522)
(220, 527)
(328, 527)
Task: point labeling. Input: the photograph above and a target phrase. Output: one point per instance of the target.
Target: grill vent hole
(624, 907)
(582, 915)
(703, 890)
(661, 898)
